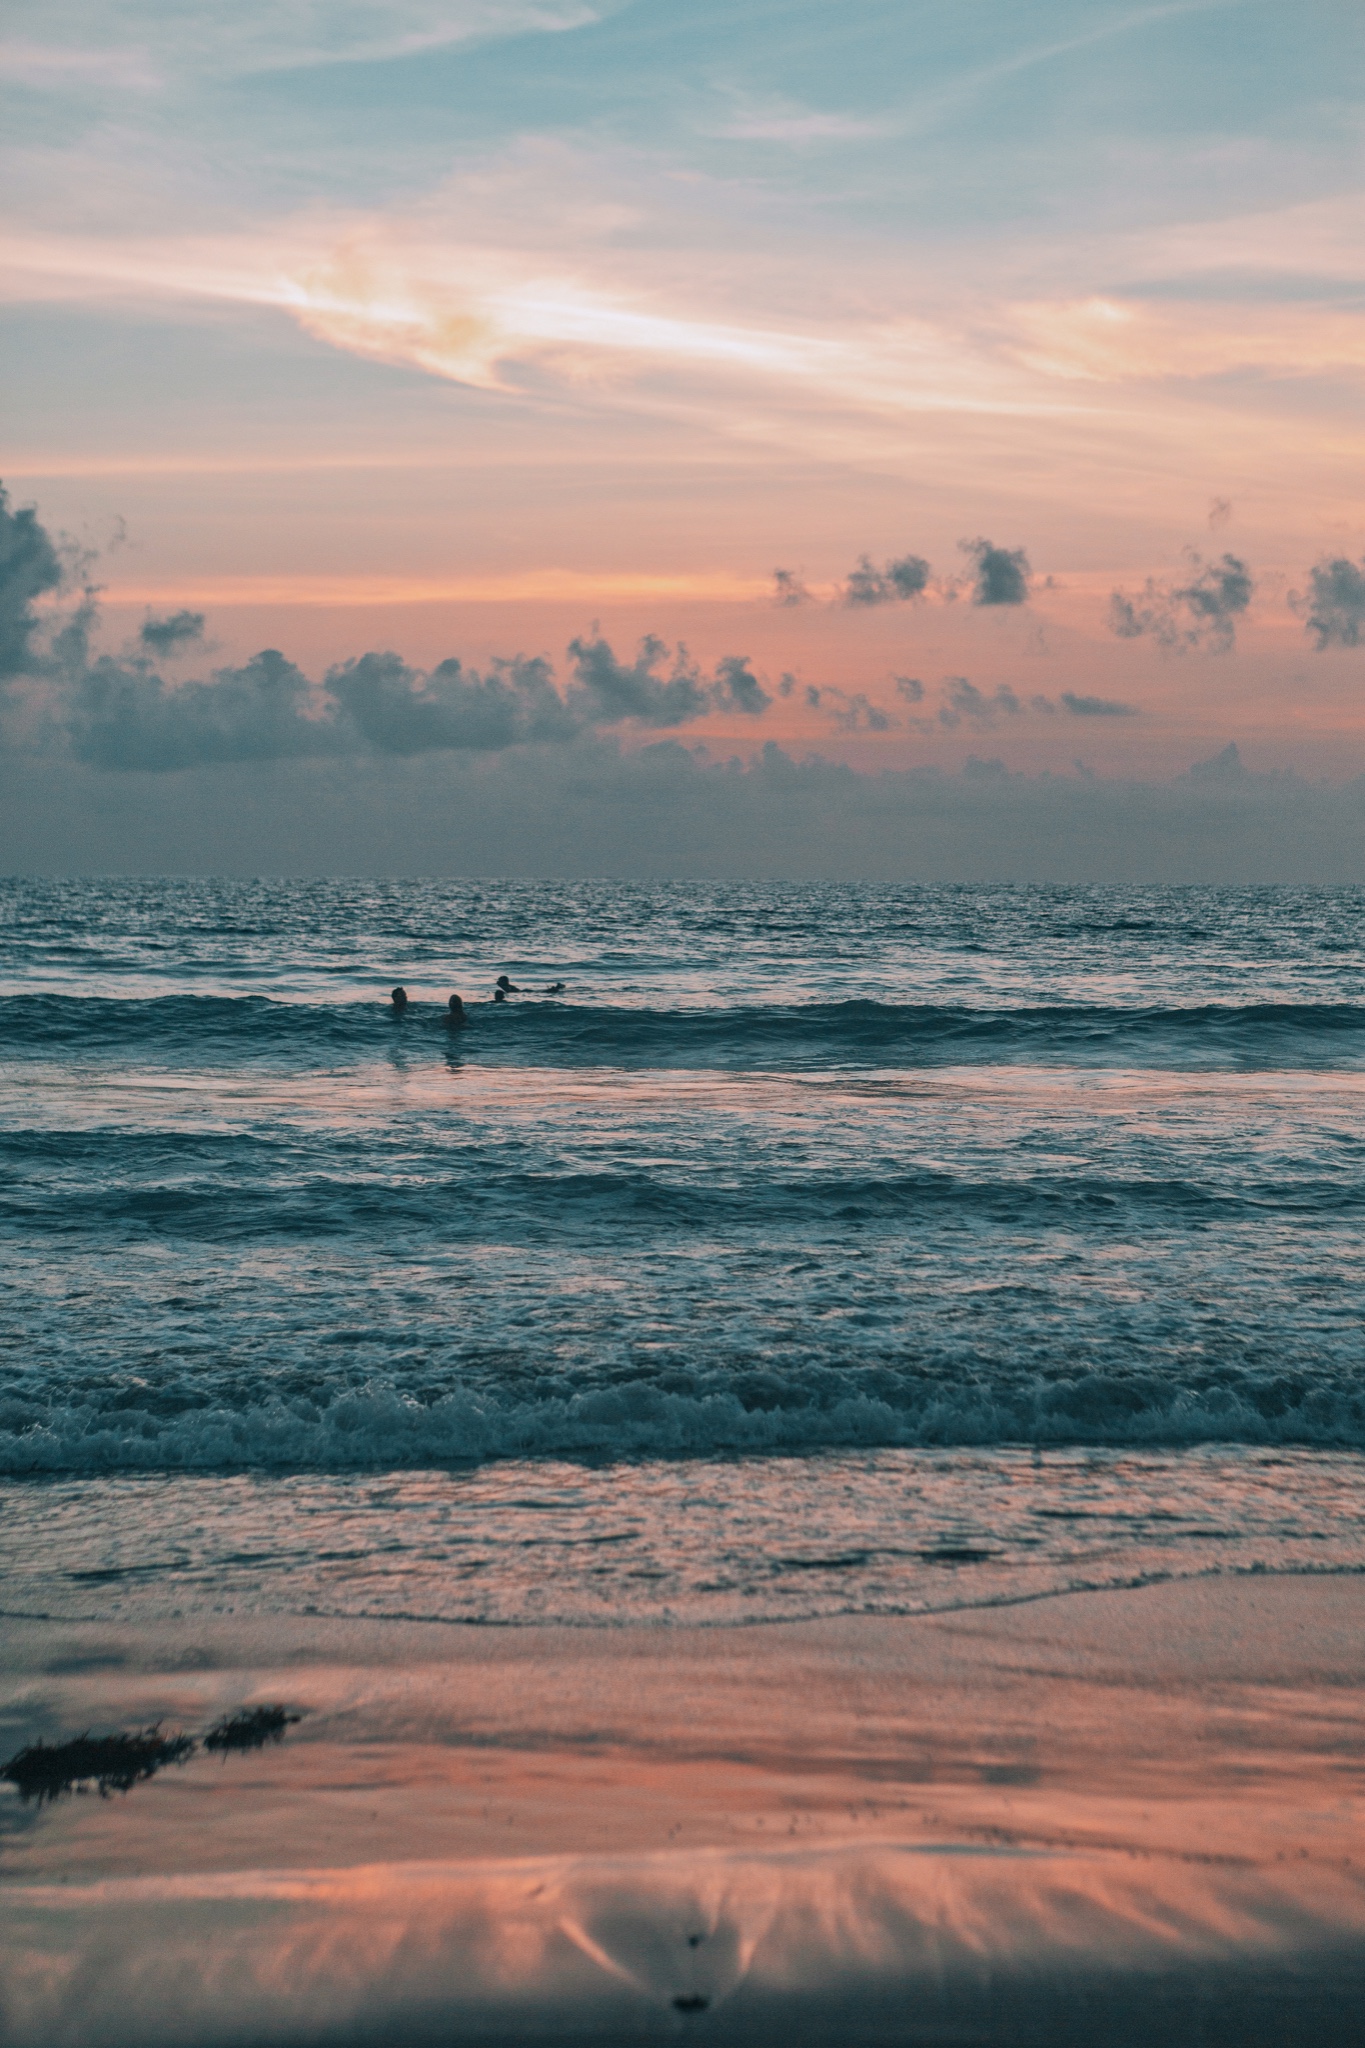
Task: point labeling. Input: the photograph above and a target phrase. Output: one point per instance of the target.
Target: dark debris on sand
(44, 1771)
(111, 1763)
(252, 1728)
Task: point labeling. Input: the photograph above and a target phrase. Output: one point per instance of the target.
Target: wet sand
(1117, 1817)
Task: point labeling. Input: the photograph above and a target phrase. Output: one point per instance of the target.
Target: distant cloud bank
(669, 809)
(142, 710)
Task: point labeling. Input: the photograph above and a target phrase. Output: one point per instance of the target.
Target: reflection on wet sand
(1121, 1818)
(999, 1938)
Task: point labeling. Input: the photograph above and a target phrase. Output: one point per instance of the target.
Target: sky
(608, 436)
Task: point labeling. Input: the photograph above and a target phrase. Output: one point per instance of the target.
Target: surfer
(509, 988)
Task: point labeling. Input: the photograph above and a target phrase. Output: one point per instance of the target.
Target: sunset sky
(967, 386)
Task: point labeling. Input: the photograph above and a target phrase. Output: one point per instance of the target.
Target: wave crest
(859, 1032)
(379, 1426)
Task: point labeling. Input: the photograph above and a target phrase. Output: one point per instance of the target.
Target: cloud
(1201, 613)
(668, 809)
(617, 690)
(396, 709)
(782, 120)
(789, 588)
(1096, 707)
(855, 713)
(962, 699)
(30, 566)
(125, 715)
(122, 712)
(1220, 513)
(1074, 706)
(1334, 608)
(737, 688)
(896, 582)
(1225, 767)
(141, 42)
(164, 636)
(1000, 575)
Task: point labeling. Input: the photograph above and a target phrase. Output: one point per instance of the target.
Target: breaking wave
(382, 1426)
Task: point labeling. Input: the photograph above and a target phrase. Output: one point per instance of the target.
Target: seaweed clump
(44, 1771)
(252, 1728)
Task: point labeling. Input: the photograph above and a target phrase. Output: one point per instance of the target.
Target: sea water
(819, 1249)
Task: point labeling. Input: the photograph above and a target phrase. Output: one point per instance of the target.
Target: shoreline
(1153, 1794)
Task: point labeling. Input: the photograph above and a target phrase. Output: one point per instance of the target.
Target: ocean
(820, 1250)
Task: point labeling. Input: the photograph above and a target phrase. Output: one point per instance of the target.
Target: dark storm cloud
(896, 582)
(1333, 610)
(999, 575)
(1201, 613)
(164, 636)
(29, 567)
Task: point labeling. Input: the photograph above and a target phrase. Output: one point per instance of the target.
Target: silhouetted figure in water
(456, 1015)
(509, 988)
(555, 988)
(399, 998)
(500, 995)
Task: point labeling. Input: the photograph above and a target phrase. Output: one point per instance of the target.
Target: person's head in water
(500, 995)
(509, 988)
(455, 1014)
(399, 998)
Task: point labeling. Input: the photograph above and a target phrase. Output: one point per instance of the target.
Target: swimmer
(456, 1015)
(555, 988)
(500, 995)
(509, 988)
(399, 998)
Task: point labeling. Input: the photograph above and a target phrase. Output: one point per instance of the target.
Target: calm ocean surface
(820, 1249)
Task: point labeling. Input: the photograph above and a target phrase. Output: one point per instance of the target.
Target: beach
(682, 1025)
(1076, 1818)
(809, 1487)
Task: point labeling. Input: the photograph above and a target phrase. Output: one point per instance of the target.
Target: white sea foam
(378, 1426)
